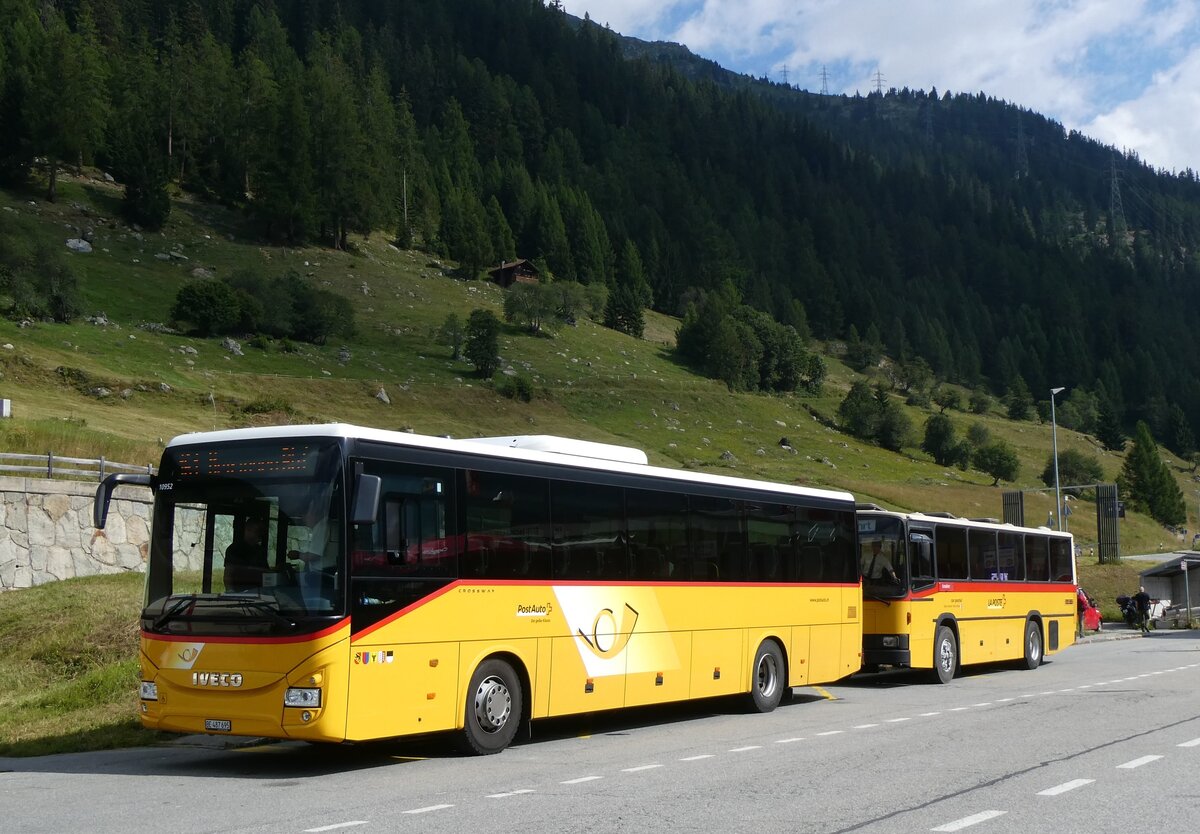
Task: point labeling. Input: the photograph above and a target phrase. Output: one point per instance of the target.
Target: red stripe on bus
(978, 587)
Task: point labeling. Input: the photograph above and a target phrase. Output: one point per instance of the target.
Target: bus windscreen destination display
(242, 460)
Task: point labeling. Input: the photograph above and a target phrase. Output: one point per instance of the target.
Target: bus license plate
(220, 725)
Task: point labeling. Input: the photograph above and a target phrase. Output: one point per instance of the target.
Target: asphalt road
(1104, 737)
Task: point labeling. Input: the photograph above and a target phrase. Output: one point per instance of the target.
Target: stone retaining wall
(46, 531)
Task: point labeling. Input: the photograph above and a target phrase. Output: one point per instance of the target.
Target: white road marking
(789, 740)
(509, 793)
(336, 825)
(958, 709)
(697, 758)
(1193, 743)
(1085, 686)
(898, 720)
(830, 733)
(428, 808)
(640, 768)
(984, 704)
(580, 780)
(1051, 692)
(966, 822)
(1065, 786)
(1139, 762)
(744, 749)
(929, 714)
(864, 726)
(1004, 700)
(1066, 690)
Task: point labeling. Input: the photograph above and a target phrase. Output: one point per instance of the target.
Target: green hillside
(589, 381)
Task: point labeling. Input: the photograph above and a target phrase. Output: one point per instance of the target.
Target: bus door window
(951, 547)
(589, 531)
(410, 550)
(1010, 555)
(981, 545)
(657, 532)
(920, 547)
(508, 526)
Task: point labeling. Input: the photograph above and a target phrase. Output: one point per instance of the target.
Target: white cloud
(1163, 124)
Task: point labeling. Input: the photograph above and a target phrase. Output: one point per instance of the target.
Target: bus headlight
(299, 697)
(149, 691)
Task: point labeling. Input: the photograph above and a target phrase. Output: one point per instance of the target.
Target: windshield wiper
(171, 613)
(263, 607)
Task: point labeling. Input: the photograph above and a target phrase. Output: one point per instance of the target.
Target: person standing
(1141, 602)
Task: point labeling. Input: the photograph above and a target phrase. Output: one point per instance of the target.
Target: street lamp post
(1054, 438)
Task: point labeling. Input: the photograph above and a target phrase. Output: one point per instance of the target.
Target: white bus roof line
(499, 448)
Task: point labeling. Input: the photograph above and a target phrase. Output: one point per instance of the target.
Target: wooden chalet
(519, 271)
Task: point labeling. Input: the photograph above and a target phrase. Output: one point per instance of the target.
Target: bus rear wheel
(1033, 645)
(945, 654)
(766, 689)
(493, 708)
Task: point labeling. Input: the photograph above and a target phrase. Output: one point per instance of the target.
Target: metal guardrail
(50, 465)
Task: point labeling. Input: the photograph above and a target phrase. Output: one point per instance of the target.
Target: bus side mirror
(104, 495)
(367, 489)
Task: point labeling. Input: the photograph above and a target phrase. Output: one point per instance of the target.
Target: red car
(1088, 611)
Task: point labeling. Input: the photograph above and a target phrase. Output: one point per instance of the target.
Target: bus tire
(493, 708)
(945, 654)
(767, 683)
(1033, 645)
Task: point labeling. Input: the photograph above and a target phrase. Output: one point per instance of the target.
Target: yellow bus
(335, 583)
(941, 592)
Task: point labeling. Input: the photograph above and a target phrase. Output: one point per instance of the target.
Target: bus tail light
(302, 697)
(149, 691)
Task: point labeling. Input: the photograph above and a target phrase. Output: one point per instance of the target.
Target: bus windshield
(882, 556)
(247, 539)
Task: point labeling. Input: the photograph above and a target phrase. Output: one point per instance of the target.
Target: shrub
(519, 387)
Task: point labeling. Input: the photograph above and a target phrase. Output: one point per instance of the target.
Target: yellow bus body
(577, 647)
(988, 619)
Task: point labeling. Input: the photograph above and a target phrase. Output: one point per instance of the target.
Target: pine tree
(1146, 481)
(482, 344)
(70, 105)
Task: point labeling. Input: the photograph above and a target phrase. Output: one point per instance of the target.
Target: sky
(1124, 72)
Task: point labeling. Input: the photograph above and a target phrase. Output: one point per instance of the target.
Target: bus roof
(947, 518)
(549, 449)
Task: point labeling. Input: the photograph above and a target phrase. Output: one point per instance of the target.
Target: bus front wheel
(493, 708)
(945, 654)
(766, 689)
(1033, 645)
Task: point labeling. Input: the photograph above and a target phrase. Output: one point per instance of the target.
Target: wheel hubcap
(947, 656)
(493, 704)
(768, 675)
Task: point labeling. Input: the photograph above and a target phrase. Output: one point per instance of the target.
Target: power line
(1116, 211)
(1022, 156)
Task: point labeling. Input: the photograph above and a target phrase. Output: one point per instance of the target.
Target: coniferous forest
(955, 232)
